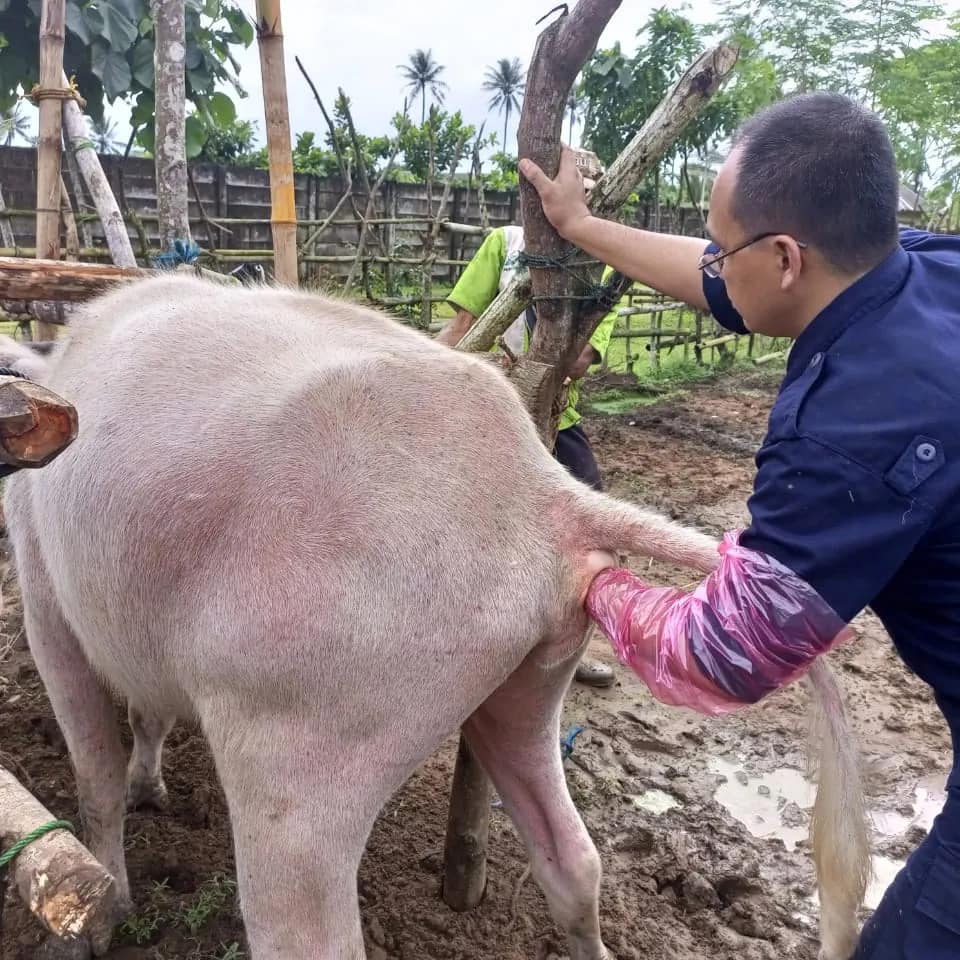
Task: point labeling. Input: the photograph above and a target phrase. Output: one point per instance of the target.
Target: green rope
(9, 855)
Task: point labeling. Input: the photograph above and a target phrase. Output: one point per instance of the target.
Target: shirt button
(815, 359)
(926, 452)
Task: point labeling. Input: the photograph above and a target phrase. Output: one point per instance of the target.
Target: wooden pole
(49, 94)
(78, 138)
(572, 39)
(283, 219)
(170, 146)
(57, 878)
(36, 425)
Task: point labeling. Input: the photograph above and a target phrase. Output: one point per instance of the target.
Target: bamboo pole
(49, 94)
(78, 136)
(283, 219)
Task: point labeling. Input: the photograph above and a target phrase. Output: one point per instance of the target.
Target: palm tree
(14, 124)
(422, 71)
(103, 136)
(506, 81)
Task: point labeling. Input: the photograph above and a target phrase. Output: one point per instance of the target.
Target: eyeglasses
(712, 265)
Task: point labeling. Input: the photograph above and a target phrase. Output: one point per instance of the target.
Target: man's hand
(588, 357)
(596, 562)
(563, 197)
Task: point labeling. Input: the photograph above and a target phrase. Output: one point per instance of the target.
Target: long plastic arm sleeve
(750, 627)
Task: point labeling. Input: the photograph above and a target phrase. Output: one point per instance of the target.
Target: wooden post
(283, 218)
(57, 878)
(78, 137)
(49, 145)
(170, 148)
(574, 37)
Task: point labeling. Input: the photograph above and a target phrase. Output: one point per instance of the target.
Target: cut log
(35, 424)
(58, 879)
(24, 279)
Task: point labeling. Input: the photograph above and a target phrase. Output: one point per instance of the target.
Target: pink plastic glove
(751, 627)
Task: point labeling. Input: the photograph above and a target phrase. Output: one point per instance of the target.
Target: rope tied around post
(181, 251)
(69, 92)
(12, 852)
(602, 295)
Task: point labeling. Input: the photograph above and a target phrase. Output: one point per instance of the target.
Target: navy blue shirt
(858, 479)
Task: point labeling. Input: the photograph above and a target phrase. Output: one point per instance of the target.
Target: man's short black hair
(820, 167)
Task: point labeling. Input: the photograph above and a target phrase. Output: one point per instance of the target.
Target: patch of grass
(207, 902)
(192, 914)
(141, 928)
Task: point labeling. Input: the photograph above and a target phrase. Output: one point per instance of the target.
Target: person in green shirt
(490, 270)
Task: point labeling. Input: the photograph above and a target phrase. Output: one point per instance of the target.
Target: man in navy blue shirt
(857, 493)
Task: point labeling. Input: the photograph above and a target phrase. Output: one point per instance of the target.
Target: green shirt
(488, 272)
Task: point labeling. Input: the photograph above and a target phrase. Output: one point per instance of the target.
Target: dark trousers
(919, 915)
(573, 450)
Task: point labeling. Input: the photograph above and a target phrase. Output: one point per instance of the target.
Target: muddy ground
(701, 823)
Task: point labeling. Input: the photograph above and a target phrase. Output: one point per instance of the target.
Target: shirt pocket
(785, 414)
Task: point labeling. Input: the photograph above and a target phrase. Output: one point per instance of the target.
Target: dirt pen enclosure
(701, 823)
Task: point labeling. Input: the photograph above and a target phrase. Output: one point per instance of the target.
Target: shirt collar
(868, 293)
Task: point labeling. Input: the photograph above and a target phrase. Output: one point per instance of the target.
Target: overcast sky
(355, 44)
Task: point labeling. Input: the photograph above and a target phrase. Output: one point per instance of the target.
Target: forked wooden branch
(689, 94)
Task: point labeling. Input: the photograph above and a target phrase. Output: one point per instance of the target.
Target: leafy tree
(805, 40)
(108, 46)
(422, 72)
(883, 30)
(233, 144)
(438, 137)
(506, 81)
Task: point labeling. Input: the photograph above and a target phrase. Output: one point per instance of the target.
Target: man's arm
(476, 288)
(667, 263)
(457, 328)
(827, 535)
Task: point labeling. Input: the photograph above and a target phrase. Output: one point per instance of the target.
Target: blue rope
(182, 251)
(566, 744)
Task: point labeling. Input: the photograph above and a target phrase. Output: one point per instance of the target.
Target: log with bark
(170, 148)
(25, 279)
(78, 138)
(58, 879)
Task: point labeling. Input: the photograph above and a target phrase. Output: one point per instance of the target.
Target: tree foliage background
(900, 57)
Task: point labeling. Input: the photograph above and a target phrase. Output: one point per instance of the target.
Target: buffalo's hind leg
(516, 736)
(301, 809)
